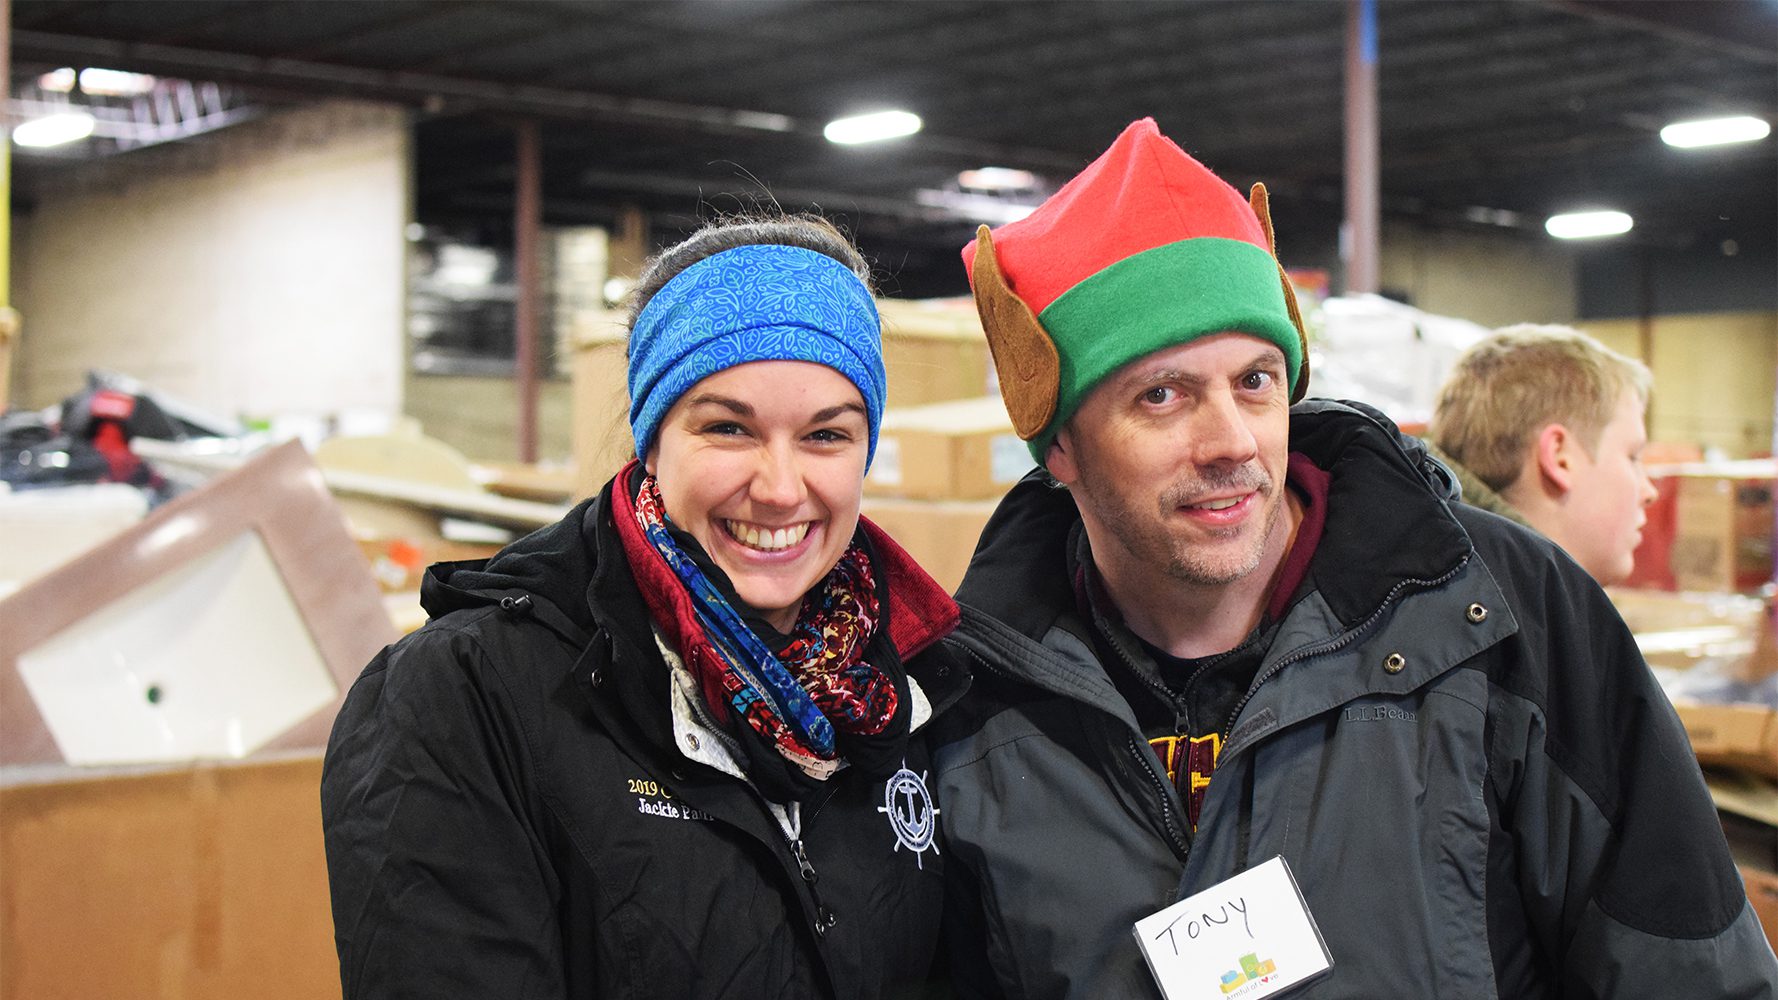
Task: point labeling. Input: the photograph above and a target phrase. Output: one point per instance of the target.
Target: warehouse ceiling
(1494, 113)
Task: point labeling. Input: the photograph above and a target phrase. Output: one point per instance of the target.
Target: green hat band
(1158, 298)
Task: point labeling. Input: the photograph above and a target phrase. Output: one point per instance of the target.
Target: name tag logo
(1250, 971)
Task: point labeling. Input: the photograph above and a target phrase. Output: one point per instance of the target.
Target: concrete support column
(1359, 234)
(527, 220)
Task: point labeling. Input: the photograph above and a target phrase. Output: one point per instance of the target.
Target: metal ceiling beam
(431, 90)
(1721, 26)
(349, 81)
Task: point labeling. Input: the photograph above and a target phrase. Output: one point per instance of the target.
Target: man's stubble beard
(1149, 541)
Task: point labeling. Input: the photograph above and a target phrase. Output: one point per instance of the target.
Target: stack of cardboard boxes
(946, 452)
(1723, 525)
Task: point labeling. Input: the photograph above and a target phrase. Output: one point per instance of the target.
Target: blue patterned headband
(753, 303)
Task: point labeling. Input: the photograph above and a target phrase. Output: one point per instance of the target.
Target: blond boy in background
(1545, 425)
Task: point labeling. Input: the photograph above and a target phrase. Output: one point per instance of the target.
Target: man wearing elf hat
(1241, 630)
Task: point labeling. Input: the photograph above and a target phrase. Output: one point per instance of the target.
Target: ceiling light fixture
(1586, 225)
(114, 82)
(54, 130)
(1715, 131)
(58, 81)
(997, 179)
(973, 206)
(873, 127)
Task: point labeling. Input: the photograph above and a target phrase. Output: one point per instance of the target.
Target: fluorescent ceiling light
(974, 207)
(114, 82)
(1584, 225)
(58, 81)
(1493, 216)
(874, 127)
(1715, 131)
(54, 130)
(97, 81)
(997, 179)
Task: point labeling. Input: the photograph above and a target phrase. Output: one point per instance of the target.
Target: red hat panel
(1142, 193)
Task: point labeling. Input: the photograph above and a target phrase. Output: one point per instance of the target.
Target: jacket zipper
(1175, 830)
(824, 917)
(1146, 756)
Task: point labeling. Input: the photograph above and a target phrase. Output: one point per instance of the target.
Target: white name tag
(1251, 936)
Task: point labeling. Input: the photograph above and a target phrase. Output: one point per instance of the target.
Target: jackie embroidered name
(670, 810)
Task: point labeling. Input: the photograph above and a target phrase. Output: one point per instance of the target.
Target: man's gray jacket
(1452, 740)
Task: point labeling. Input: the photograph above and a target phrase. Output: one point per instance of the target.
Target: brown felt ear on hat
(1024, 355)
(1262, 207)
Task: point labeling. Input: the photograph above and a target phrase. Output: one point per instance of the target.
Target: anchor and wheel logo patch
(911, 813)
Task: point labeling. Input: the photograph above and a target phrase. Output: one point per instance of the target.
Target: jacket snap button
(691, 740)
(1394, 663)
(1476, 614)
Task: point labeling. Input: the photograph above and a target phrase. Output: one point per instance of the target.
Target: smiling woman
(674, 744)
(762, 465)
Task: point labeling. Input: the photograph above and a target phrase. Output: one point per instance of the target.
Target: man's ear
(1058, 458)
(1555, 458)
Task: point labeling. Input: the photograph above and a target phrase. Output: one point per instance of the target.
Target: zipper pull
(824, 917)
(802, 861)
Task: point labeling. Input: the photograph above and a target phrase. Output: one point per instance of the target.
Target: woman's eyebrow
(729, 403)
(834, 411)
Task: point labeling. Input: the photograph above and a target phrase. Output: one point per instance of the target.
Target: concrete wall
(1494, 280)
(256, 271)
(1715, 376)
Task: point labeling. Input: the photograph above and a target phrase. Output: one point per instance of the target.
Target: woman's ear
(1555, 458)
(652, 458)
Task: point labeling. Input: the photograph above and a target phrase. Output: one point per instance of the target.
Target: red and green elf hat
(1144, 249)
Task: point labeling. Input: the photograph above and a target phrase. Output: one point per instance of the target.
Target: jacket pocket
(1378, 806)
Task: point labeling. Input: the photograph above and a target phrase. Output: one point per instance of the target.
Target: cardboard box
(1732, 735)
(206, 883)
(1685, 630)
(600, 404)
(960, 450)
(1723, 526)
(934, 350)
(399, 563)
(939, 534)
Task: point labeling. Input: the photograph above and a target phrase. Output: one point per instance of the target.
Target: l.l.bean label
(1250, 936)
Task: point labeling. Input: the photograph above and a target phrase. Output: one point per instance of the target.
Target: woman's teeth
(766, 539)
